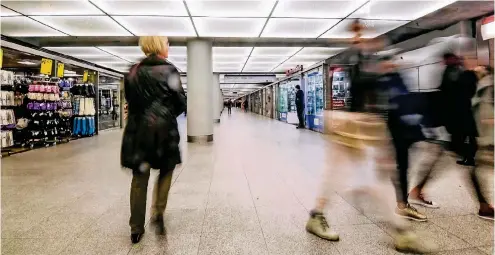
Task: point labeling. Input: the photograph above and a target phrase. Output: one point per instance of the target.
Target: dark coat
(300, 99)
(155, 99)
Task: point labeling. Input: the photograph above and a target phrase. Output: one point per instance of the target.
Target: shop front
(46, 98)
(314, 97)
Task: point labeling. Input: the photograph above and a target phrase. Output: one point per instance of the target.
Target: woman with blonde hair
(151, 138)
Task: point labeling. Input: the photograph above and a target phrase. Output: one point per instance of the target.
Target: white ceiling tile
(7, 12)
(257, 69)
(142, 7)
(103, 59)
(45, 7)
(319, 51)
(152, 25)
(223, 8)
(178, 59)
(373, 28)
(84, 25)
(306, 59)
(297, 28)
(231, 51)
(20, 26)
(177, 51)
(227, 69)
(266, 59)
(316, 9)
(275, 51)
(127, 51)
(229, 59)
(79, 51)
(217, 65)
(399, 9)
(229, 27)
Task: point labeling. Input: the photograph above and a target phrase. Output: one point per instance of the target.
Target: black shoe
(135, 238)
(466, 162)
(159, 225)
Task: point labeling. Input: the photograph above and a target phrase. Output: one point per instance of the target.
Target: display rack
(83, 103)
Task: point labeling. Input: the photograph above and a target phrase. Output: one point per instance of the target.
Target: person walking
(229, 107)
(300, 106)
(151, 138)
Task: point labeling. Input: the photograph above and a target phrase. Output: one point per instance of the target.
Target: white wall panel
(430, 76)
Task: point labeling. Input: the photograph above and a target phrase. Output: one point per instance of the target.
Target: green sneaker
(408, 242)
(318, 226)
(411, 213)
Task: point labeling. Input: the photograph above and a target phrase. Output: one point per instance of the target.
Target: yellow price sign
(46, 66)
(1, 58)
(85, 76)
(60, 69)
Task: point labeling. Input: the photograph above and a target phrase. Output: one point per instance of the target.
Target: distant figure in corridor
(229, 107)
(300, 106)
(156, 98)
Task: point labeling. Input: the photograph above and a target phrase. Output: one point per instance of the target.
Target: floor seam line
(255, 209)
(206, 208)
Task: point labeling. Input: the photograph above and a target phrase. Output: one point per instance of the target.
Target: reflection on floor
(249, 192)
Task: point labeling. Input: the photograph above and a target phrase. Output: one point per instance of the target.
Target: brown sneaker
(411, 213)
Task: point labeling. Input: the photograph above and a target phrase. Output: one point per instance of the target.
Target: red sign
(338, 103)
(294, 70)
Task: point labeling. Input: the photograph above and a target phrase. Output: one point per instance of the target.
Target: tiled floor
(249, 192)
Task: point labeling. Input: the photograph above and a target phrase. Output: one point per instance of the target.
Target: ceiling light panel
(319, 51)
(252, 69)
(227, 69)
(84, 25)
(231, 51)
(24, 27)
(157, 7)
(217, 65)
(7, 12)
(297, 28)
(275, 51)
(132, 52)
(316, 9)
(177, 51)
(79, 51)
(53, 7)
(266, 59)
(208, 8)
(152, 25)
(373, 28)
(306, 59)
(104, 59)
(178, 59)
(229, 27)
(399, 10)
(229, 59)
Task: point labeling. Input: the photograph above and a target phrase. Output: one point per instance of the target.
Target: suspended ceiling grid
(197, 18)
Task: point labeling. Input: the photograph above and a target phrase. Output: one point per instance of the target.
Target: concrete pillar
(216, 98)
(199, 91)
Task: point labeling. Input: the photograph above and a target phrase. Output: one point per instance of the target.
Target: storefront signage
(488, 28)
(60, 69)
(85, 76)
(46, 66)
(294, 70)
(247, 79)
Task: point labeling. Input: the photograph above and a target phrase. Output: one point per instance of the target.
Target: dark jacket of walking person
(300, 106)
(151, 138)
(229, 107)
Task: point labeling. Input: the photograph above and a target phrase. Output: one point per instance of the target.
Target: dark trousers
(300, 116)
(402, 160)
(229, 110)
(139, 194)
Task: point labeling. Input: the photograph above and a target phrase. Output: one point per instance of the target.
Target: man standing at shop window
(300, 106)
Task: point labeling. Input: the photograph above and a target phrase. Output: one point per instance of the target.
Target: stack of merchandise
(84, 109)
(7, 102)
(65, 108)
(43, 104)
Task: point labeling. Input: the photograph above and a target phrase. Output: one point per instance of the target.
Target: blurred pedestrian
(300, 106)
(229, 107)
(151, 138)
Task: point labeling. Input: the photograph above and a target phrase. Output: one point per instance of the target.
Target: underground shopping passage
(249, 192)
(247, 127)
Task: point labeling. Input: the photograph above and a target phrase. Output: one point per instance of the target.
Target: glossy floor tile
(248, 192)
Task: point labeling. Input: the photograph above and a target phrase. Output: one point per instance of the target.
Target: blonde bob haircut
(153, 44)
